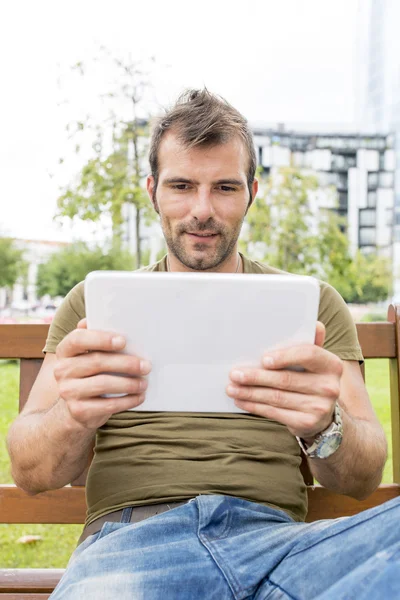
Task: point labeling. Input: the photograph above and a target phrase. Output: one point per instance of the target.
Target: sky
(277, 61)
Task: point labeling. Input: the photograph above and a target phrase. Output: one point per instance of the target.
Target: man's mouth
(201, 234)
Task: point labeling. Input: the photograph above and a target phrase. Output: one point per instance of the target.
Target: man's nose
(203, 208)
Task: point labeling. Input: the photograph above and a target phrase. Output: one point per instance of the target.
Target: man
(210, 506)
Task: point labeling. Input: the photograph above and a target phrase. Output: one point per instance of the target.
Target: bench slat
(24, 596)
(22, 341)
(40, 581)
(377, 340)
(28, 371)
(394, 368)
(27, 341)
(323, 504)
(68, 506)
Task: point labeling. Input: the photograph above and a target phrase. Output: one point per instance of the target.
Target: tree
(282, 225)
(69, 266)
(372, 275)
(336, 265)
(12, 262)
(283, 228)
(114, 179)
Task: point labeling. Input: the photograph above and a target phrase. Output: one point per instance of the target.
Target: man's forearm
(355, 469)
(47, 449)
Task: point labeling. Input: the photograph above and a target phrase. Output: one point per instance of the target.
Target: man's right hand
(84, 357)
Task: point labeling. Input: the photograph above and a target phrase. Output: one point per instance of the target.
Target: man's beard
(221, 251)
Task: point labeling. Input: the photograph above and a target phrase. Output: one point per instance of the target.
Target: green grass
(59, 541)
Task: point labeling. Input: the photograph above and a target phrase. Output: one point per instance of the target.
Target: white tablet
(195, 327)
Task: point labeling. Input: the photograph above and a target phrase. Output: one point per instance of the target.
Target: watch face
(329, 444)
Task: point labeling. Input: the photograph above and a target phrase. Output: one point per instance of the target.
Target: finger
(94, 363)
(91, 410)
(81, 340)
(312, 358)
(281, 399)
(311, 384)
(82, 324)
(304, 425)
(99, 385)
(320, 334)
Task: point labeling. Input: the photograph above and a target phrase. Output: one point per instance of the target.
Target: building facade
(360, 169)
(378, 89)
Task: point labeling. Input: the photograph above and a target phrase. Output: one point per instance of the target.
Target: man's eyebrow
(237, 182)
(178, 180)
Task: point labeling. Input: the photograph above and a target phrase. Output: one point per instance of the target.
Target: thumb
(82, 324)
(319, 334)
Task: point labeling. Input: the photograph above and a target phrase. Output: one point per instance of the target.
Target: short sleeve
(341, 333)
(68, 315)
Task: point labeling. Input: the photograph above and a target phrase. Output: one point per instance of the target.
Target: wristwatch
(326, 442)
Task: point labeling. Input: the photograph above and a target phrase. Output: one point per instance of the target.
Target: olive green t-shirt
(153, 457)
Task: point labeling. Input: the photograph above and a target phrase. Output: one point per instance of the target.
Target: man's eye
(227, 188)
(180, 186)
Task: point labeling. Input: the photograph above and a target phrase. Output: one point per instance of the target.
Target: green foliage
(372, 279)
(114, 176)
(373, 317)
(282, 226)
(12, 263)
(104, 185)
(68, 267)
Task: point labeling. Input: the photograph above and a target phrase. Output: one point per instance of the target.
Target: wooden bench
(67, 505)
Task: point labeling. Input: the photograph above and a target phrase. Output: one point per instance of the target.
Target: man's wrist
(327, 442)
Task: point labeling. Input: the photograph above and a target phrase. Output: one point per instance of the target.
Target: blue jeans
(219, 548)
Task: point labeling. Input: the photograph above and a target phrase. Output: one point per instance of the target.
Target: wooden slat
(394, 317)
(395, 417)
(67, 505)
(22, 341)
(377, 340)
(26, 341)
(28, 371)
(39, 581)
(323, 504)
(23, 596)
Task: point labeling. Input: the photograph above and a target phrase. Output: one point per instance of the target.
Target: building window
(371, 199)
(386, 179)
(343, 201)
(367, 236)
(367, 217)
(343, 163)
(389, 217)
(372, 180)
(342, 181)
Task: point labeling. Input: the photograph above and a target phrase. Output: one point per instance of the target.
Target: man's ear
(150, 185)
(254, 190)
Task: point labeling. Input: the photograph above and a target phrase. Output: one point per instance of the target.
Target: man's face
(202, 198)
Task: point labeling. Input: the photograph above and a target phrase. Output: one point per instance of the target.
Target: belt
(138, 513)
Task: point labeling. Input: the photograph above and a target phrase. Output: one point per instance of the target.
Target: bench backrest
(25, 342)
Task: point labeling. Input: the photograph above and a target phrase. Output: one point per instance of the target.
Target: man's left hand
(304, 401)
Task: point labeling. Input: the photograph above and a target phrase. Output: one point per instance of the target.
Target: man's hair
(200, 118)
